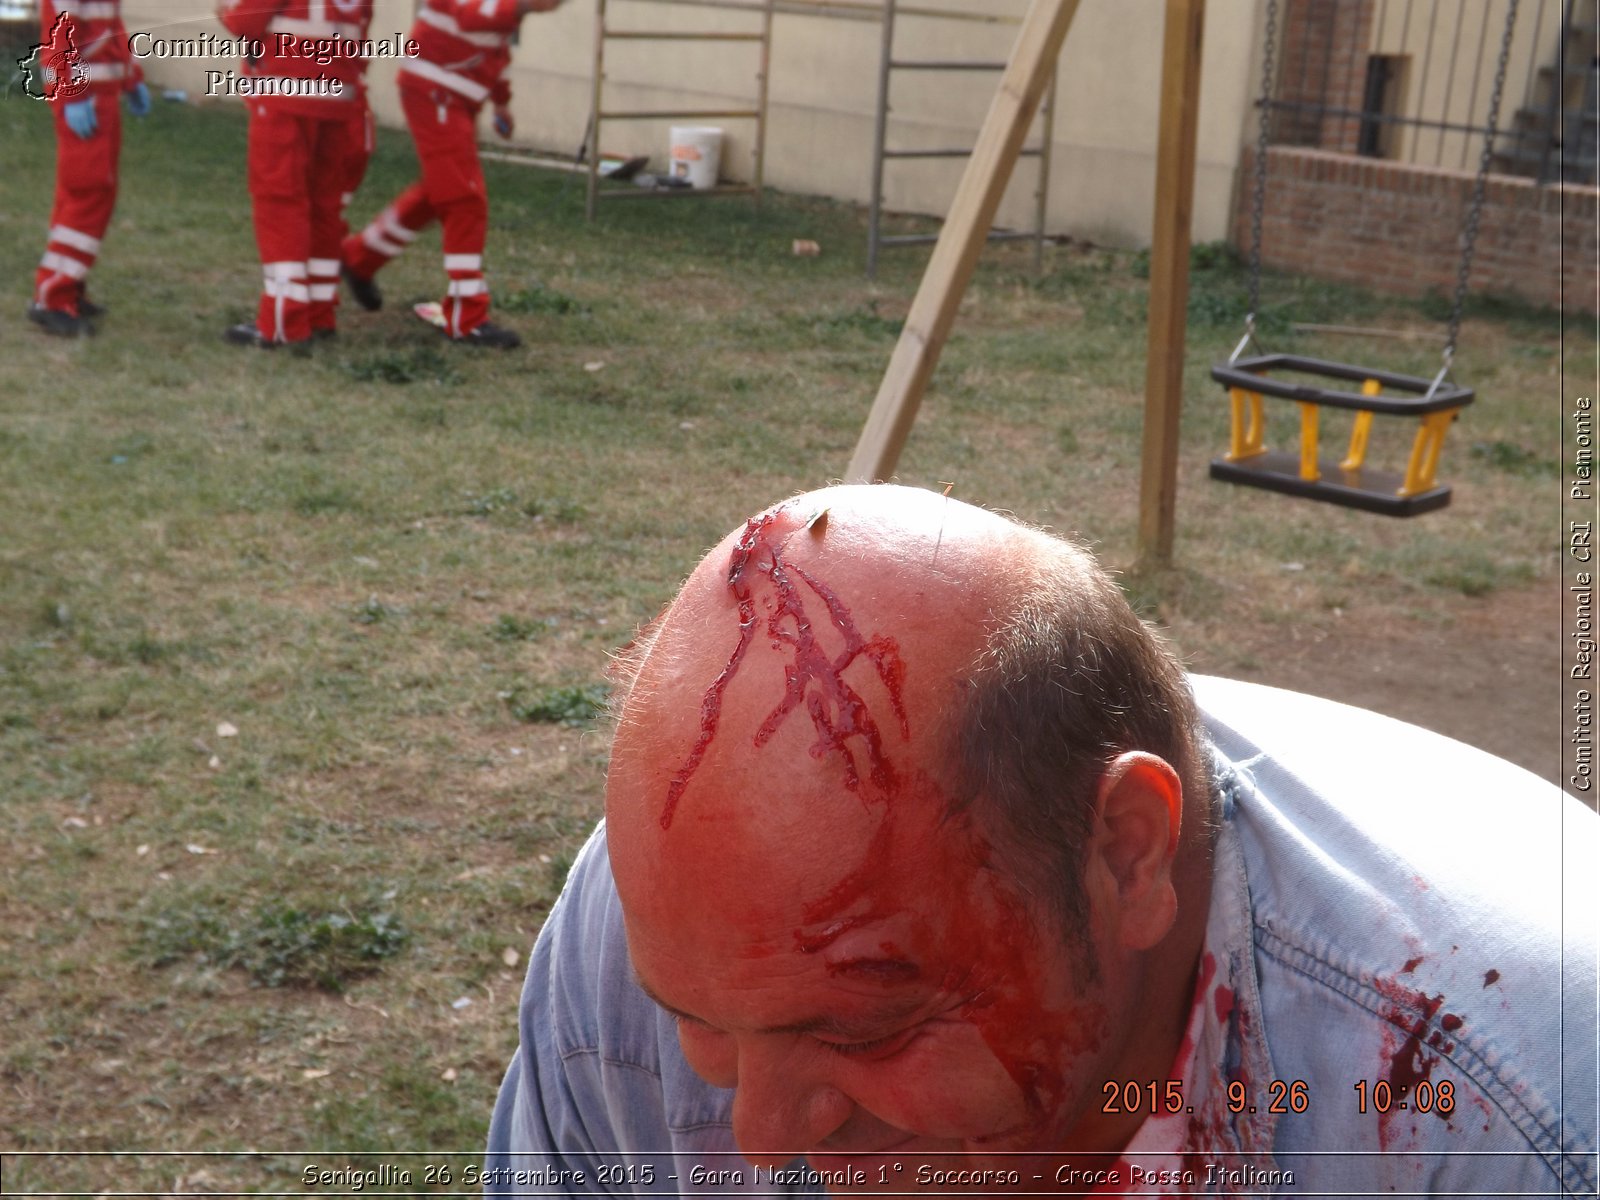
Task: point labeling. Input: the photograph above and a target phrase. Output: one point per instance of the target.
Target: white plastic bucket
(696, 154)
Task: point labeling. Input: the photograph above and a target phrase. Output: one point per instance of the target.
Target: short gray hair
(1069, 681)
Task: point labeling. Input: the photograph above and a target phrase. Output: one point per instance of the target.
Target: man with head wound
(923, 870)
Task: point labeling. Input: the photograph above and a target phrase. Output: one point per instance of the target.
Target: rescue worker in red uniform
(464, 49)
(87, 67)
(310, 139)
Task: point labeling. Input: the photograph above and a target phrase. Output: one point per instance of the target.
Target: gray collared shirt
(1397, 993)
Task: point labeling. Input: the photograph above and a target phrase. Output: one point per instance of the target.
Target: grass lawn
(298, 655)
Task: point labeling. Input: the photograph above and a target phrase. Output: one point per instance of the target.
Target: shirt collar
(1219, 1142)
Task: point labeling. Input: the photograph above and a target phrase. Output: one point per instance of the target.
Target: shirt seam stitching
(609, 1060)
(1353, 989)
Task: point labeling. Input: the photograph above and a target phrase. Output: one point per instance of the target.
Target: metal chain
(1469, 234)
(1258, 200)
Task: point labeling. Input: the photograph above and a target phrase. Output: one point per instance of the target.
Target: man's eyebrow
(887, 971)
(866, 1024)
(663, 1005)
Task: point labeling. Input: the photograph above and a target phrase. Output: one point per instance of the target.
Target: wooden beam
(1169, 278)
(966, 228)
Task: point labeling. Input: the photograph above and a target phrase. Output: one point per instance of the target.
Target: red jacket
(464, 48)
(293, 36)
(94, 27)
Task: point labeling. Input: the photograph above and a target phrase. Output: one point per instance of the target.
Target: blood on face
(759, 571)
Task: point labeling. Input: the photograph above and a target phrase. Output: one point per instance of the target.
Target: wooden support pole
(966, 228)
(1169, 278)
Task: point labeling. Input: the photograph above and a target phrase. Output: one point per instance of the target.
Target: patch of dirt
(1485, 670)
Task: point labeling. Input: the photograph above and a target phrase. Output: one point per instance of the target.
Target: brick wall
(1396, 228)
(1323, 63)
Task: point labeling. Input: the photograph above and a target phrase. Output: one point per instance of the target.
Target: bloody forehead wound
(809, 675)
(782, 603)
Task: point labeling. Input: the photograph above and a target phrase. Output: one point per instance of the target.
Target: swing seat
(1349, 482)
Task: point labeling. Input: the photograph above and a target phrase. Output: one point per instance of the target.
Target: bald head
(804, 683)
(822, 639)
(864, 647)
(893, 809)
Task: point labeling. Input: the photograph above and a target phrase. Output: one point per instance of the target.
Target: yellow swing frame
(1349, 482)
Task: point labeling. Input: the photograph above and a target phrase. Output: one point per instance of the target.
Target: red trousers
(86, 192)
(451, 191)
(303, 170)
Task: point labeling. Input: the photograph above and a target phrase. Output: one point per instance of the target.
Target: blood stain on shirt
(1408, 1012)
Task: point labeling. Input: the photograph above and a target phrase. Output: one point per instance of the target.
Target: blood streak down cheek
(783, 602)
(976, 932)
(1035, 1029)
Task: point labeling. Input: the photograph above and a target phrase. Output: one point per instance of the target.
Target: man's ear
(1138, 814)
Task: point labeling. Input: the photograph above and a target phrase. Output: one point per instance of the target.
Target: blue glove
(502, 123)
(81, 119)
(139, 100)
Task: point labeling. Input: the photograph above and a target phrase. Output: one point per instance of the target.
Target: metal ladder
(605, 32)
(881, 153)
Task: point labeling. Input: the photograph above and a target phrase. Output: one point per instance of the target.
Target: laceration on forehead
(813, 678)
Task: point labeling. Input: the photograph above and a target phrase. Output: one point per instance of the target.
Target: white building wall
(823, 95)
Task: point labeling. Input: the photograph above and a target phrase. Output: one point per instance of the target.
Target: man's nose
(783, 1105)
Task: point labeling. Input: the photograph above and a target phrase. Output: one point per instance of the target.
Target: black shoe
(363, 290)
(490, 335)
(246, 334)
(324, 335)
(88, 308)
(58, 323)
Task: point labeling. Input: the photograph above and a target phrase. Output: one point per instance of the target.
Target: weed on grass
(561, 511)
(371, 611)
(1517, 460)
(573, 704)
(415, 364)
(538, 299)
(277, 945)
(865, 320)
(485, 504)
(508, 627)
(1477, 574)
(315, 501)
(505, 500)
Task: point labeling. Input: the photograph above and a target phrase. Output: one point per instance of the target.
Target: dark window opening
(1380, 103)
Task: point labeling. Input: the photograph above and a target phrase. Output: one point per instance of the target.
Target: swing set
(1314, 383)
